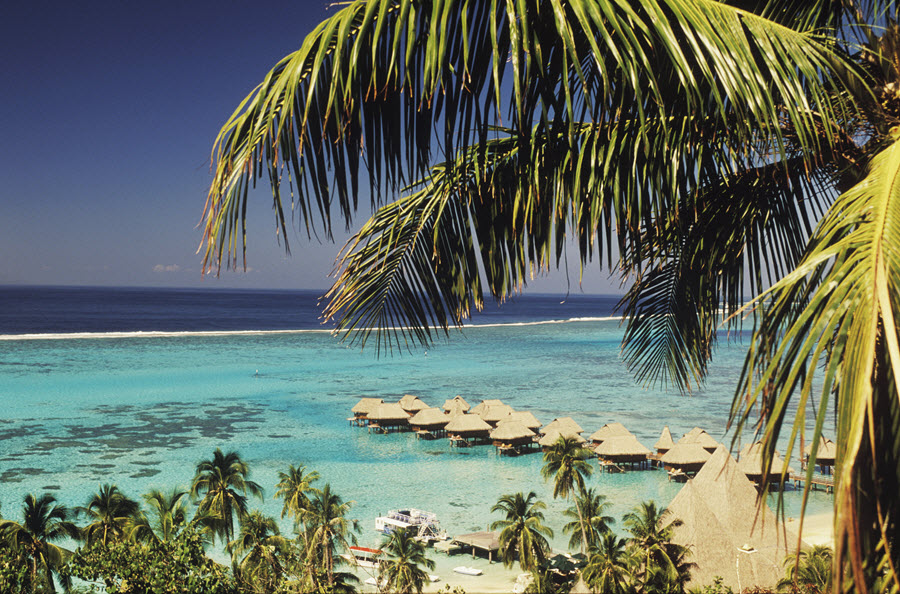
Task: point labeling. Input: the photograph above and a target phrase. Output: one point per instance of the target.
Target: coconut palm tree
(808, 571)
(222, 483)
(523, 535)
(327, 527)
(169, 512)
(293, 487)
(651, 530)
(112, 514)
(592, 506)
(401, 570)
(256, 553)
(689, 145)
(565, 462)
(609, 566)
(43, 521)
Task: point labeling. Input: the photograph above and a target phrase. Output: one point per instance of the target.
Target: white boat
(467, 570)
(434, 578)
(422, 524)
(363, 556)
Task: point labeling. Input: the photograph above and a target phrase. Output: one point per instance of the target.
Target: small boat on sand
(363, 556)
(467, 570)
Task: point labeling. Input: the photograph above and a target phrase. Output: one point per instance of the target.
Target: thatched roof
(698, 435)
(564, 425)
(456, 403)
(684, 454)
(665, 440)
(526, 418)
(827, 451)
(480, 406)
(412, 404)
(751, 462)
(495, 413)
(429, 416)
(718, 509)
(366, 405)
(552, 437)
(388, 411)
(467, 423)
(610, 430)
(623, 445)
(511, 431)
(580, 587)
(486, 541)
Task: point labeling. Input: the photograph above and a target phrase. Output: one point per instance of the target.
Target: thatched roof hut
(412, 404)
(664, 443)
(525, 417)
(751, 463)
(481, 405)
(488, 542)
(729, 535)
(624, 448)
(553, 436)
(468, 425)
(826, 454)
(686, 457)
(495, 413)
(366, 405)
(564, 425)
(457, 403)
(511, 433)
(698, 435)
(429, 418)
(608, 431)
(389, 413)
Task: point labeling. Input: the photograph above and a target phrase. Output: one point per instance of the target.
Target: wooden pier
(826, 482)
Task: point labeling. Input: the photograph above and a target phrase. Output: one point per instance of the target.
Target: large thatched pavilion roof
(726, 529)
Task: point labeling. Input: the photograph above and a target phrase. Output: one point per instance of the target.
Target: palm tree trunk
(584, 543)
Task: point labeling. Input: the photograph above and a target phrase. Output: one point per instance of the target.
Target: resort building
(684, 459)
(464, 429)
(616, 452)
(362, 409)
(751, 464)
(665, 442)
(429, 422)
(607, 431)
(564, 426)
(387, 416)
(698, 435)
(824, 456)
(456, 404)
(412, 404)
(495, 413)
(512, 436)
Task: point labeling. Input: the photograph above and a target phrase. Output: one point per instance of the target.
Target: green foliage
(223, 482)
(592, 506)
(523, 535)
(402, 569)
(178, 566)
(111, 513)
(717, 587)
(566, 464)
(14, 575)
(808, 572)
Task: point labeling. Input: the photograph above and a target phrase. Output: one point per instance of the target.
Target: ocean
(135, 386)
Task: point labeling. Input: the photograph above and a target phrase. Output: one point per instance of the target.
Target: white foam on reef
(545, 322)
(155, 334)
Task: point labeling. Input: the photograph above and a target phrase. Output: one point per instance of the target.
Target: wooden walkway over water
(826, 482)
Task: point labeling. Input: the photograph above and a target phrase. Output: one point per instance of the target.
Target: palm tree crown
(223, 483)
(293, 487)
(111, 512)
(566, 464)
(523, 535)
(592, 507)
(327, 527)
(401, 570)
(169, 513)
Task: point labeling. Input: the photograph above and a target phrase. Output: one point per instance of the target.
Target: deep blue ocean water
(82, 407)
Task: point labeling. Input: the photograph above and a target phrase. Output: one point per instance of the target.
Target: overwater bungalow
(511, 436)
(412, 404)
(698, 435)
(464, 429)
(495, 413)
(684, 459)
(552, 436)
(527, 418)
(616, 452)
(429, 422)
(481, 405)
(824, 457)
(563, 425)
(388, 416)
(607, 431)
(456, 404)
(751, 464)
(665, 441)
(362, 409)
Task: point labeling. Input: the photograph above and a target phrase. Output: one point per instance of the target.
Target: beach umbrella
(456, 403)
(609, 430)
(412, 404)
(665, 443)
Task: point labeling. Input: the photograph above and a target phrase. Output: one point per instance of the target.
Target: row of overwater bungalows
(512, 431)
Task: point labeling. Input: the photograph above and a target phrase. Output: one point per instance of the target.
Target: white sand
(818, 529)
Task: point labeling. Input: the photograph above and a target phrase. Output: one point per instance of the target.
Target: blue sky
(109, 111)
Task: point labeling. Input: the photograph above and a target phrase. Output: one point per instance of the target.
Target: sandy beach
(818, 529)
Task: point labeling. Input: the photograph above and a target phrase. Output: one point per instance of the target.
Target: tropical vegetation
(523, 534)
(703, 150)
(402, 570)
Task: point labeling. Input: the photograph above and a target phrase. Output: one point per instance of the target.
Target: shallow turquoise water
(141, 412)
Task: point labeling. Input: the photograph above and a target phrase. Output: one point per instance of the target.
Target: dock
(826, 482)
